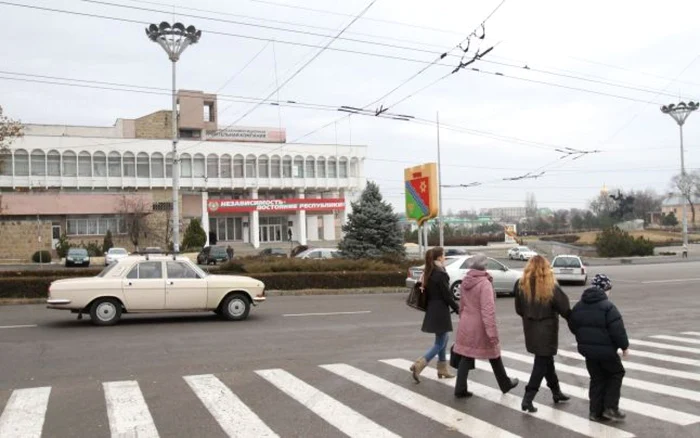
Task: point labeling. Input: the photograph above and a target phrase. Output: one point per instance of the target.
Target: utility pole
(441, 220)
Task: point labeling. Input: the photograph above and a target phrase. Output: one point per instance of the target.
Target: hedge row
(53, 273)
(301, 265)
(562, 238)
(37, 287)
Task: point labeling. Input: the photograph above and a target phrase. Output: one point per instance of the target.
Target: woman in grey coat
(437, 318)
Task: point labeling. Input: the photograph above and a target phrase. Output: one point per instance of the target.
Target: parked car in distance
(138, 284)
(569, 268)
(455, 252)
(212, 255)
(273, 252)
(521, 253)
(152, 250)
(115, 254)
(319, 253)
(504, 278)
(77, 257)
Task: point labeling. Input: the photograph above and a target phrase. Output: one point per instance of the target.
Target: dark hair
(430, 256)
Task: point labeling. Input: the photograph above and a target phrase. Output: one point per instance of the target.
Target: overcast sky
(598, 72)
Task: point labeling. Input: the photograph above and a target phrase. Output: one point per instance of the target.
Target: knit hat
(601, 281)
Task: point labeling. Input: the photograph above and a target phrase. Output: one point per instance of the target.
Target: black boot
(464, 394)
(512, 384)
(614, 414)
(527, 405)
(559, 396)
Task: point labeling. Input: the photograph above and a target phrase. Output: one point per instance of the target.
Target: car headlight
(69, 258)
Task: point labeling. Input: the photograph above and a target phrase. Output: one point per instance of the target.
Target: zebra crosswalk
(354, 400)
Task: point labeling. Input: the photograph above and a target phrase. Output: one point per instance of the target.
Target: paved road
(193, 375)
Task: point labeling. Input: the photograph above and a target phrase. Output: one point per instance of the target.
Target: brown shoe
(443, 371)
(418, 367)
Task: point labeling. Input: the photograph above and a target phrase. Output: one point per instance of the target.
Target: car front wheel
(235, 307)
(457, 290)
(105, 311)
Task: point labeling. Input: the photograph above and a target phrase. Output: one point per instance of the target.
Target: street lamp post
(680, 113)
(174, 40)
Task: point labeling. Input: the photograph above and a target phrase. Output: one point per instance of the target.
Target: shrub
(563, 238)
(613, 242)
(63, 246)
(88, 272)
(195, 237)
(30, 287)
(41, 257)
(301, 265)
(93, 248)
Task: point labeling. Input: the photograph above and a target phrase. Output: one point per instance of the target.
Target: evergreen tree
(195, 237)
(373, 229)
(107, 243)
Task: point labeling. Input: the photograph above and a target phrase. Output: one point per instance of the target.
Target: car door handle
(171, 283)
(130, 284)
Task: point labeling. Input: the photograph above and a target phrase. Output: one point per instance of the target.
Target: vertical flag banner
(421, 185)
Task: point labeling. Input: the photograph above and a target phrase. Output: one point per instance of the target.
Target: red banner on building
(274, 205)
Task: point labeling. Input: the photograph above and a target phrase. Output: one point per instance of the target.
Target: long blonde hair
(538, 281)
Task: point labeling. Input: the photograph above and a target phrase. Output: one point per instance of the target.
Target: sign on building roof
(238, 133)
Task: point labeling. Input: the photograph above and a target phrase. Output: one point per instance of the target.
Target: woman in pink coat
(477, 335)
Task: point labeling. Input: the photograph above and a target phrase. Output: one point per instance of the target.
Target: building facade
(246, 185)
(674, 204)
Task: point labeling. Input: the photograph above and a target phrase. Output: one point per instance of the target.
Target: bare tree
(134, 212)
(10, 130)
(645, 203)
(602, 205)
(688, 187)
(531, 206)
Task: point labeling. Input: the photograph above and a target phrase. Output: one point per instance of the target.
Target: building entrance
(271, 229)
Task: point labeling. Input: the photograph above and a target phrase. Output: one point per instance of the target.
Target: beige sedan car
(143, 284)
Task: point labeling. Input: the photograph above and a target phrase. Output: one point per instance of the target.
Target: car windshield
(202, 273)
(78, 252)
(118, 251)
(567, 262)
(106, 270)
(524, 248)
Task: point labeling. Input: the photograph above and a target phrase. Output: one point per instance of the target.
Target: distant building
(674, 204)
(505, 213)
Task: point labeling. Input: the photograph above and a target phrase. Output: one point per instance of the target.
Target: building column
(329, 221)
(205, 216)
(254, 222)
(344, 213)
(312, 223)
(301, 221)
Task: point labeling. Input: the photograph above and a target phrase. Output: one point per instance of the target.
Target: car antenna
(146, 256)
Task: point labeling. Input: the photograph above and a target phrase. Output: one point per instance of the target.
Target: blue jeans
(439, 348)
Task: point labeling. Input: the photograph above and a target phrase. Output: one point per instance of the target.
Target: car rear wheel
(105, 311)
(235, 307)
(456, 290)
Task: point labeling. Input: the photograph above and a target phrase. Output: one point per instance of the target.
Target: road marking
(691, 333)
(678, 280)
(452, 418)
(677, 339)
(18, 326)
(24, 414)
(646, 409)
(665, 346)
(665, 358)
(641, 367)
(359, 312)
(627, 381)
(127, 411)
(554, 416)
(337, 414)
(234, 417)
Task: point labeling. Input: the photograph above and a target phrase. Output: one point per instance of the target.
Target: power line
(240, 71)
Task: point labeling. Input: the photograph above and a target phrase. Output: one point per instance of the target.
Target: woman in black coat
(540, 301)
(437, 320)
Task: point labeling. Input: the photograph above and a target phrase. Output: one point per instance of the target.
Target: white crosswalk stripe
(627, 381)
(23, 416)
(641, 367)
(545, 413)
(459, 421)
(677, 339)
(691, 333)
(342, 417)
(234, 417)
(127, 411)
(665, 357)
(646, 409)
(665, 346)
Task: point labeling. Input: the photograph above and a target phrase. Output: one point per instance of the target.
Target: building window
(321, 167)
(310, 167)
(38, 163)
(70, 165)
(99, 164)
(114, 164)
(185, 166)
(53, 163)
(263, 167)
(298, 167)
(343, 168)
(332, 169)
(212, 166)
(190, 133)
(276, 167)
(250, 166)
(5, 164)
(142, 165)
(84, 164)
(157, 165)
(199, 166)
(226, 166)
(94, 226)
(353, 168)
(287, 167)
(129, 165)
(209, 113)
(238, 166)
(169, 165)
(21, 163)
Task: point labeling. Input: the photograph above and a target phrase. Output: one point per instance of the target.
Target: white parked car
(143, 284)
(521, 253)
(114, 255)
(319, 253)
(569, 268)
(504, 278)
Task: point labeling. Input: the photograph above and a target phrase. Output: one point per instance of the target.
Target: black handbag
(417, 298)
(456, 358)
